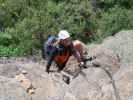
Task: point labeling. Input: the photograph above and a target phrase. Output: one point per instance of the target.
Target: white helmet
(63, 34)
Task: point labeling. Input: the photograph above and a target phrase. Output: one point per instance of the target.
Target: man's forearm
(49, 64)
(77, 55)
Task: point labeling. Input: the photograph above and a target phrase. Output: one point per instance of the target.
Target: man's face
(66, 41)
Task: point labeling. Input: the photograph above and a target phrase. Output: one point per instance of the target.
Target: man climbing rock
(62, 50)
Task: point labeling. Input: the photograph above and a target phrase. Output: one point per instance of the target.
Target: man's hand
(81, 64)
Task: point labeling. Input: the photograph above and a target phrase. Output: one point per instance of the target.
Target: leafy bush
(10, 51)
(5, 38)
(116, 19)
(25, 24)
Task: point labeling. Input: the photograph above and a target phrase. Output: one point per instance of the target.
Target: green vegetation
(24, 24)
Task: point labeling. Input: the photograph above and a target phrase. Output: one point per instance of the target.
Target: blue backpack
(48, 46)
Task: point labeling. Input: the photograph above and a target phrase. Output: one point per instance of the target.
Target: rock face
(109, 75)
(46, 86)
(11, 90)
(9, 70)
(92, 84)
(105, 58)
(49, 89)
(121, 44)
(124, 82)
(114, 56)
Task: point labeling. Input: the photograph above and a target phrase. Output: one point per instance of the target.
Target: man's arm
(50, 60)
(75, 53)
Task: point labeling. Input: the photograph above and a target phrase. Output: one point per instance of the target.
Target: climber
(62, 49)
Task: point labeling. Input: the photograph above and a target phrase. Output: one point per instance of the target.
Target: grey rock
(121, 44)
(9, 70)
(124, 82)
(49, 87)
(104, 58)
(10, 89)
(92, 84)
